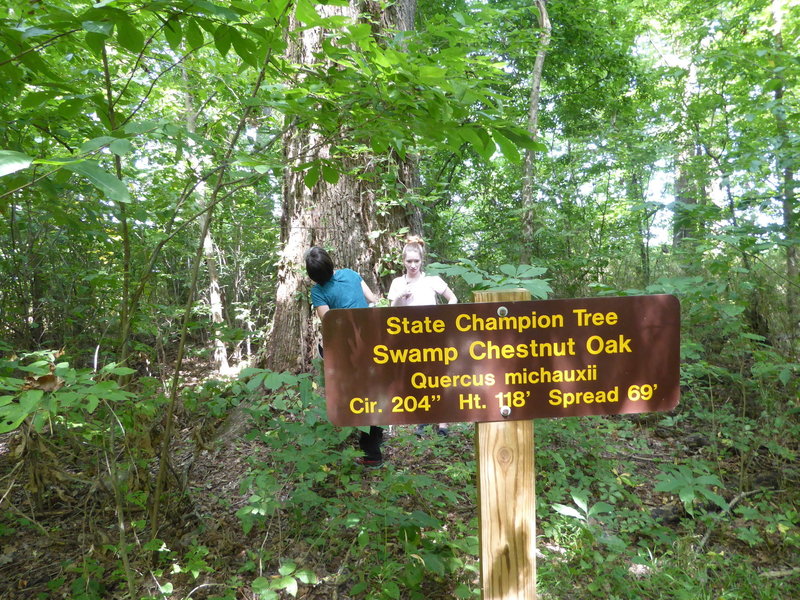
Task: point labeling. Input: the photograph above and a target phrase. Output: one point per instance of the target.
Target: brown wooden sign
(502, 360)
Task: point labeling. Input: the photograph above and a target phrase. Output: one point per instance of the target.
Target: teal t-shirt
(343, 290)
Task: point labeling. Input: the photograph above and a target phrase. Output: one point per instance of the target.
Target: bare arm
(450, 296)
(368, 293)
(321, 310)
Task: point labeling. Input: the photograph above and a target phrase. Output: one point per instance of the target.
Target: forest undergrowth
(698, 503)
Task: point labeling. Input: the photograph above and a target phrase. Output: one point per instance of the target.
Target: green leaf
(92, 402)
(216, 10)
(129, 37)
(509, 270)
(223, 38)
(96, 143)
(390, 589)
(306, 14)
(101, 27)
(568, 511)
(173, 32)
(312, 177)
(194, 35)
(244, 48)
(36, 99)
(104, 181)
(121, 146)
(13, 414)
(11, 161)
(330, 174)
(507, 147)
(96, 42)
(33, 32)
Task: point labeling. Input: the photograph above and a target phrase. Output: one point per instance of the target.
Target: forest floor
(59, 522)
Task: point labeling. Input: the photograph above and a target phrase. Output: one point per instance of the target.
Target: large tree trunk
(341, 217)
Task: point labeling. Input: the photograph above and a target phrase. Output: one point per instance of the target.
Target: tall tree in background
(528, 201)
(787, 156)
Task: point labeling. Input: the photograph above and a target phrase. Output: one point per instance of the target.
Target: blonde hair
(417, 244)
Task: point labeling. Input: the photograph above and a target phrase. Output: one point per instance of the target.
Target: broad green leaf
(92, 402)
(581, 502)
(523, 140)
(96, 143)
(306, 14)
(538, 289)
(223, 39)
(431, 75)
(507, 147)
(11, 416)
(96, 42)
(330, 174)
(568, 511)
(434, 563)
(307, 576)
(391, 589)
(33, 32)
(11, 161)
(104, 181)
(216, 10)
(244, 48)
(101, 27)
(129, 37)
(194, 35)
(35, 99)
(469, 134)
(312, 177)
(509, 270)
(121, 146)
(173, 32)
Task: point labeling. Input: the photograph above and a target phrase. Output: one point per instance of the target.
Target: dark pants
(370, 443)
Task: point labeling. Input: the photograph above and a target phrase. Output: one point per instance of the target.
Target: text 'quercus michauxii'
(502, 360)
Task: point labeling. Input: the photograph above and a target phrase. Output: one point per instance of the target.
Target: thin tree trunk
(786, 169)
(220, 356)
(529, 246)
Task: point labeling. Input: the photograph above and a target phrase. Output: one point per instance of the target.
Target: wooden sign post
(506, 497)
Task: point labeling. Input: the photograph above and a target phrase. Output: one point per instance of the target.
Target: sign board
(502, 360)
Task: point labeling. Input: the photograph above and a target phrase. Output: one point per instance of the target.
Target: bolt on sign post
(502, 362)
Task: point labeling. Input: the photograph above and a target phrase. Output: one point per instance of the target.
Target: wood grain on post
(506, 497)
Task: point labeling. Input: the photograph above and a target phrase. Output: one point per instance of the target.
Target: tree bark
(528, 203)
(785, 167)
(341, 216)
(220, 356)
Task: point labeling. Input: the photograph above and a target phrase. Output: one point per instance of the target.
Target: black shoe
(419, 431)
(443, 431)
(370, 463)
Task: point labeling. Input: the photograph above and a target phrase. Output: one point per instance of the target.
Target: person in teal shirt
(343, 288)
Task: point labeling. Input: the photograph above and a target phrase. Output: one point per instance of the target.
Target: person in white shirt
(415, 288)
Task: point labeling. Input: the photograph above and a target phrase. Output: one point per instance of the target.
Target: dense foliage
(143, 190)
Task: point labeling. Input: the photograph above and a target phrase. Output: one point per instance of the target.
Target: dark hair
(319, 265)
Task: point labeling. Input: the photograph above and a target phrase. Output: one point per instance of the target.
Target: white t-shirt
(423, 290)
